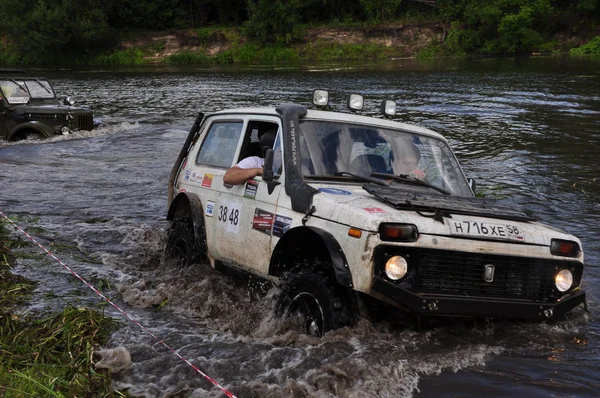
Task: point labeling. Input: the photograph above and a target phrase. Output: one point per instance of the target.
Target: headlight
(320, 97)
(388, 108)
(355, 102)
(563, 280)
(65, 130)
(396, 268)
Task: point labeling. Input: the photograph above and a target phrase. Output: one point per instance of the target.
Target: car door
(245, 214)
(202, 173)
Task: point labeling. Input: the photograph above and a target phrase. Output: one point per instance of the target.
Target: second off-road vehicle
(30, 109)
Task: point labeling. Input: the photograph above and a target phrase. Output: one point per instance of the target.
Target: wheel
(181, 243)
(322, 304)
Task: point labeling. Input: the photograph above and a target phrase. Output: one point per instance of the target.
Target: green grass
(50, 356)
(132, 56)
(188, 58)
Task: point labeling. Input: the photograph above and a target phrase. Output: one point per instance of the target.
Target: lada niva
(351, 206)
(30, 109)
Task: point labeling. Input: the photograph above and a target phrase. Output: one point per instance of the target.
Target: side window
(220, 144)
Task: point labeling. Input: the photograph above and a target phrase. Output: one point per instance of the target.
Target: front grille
(85, 122)
(449, 272)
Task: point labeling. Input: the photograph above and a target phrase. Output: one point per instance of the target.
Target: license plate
(481, 229)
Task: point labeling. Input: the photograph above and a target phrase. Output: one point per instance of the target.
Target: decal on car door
(229, 215)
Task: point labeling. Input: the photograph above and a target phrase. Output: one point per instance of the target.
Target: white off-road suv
(351, 207)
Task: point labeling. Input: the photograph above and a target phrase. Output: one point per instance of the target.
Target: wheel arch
(310, 242)
(37, 127)
(188, 205)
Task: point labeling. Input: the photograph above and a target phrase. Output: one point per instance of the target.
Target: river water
(527, 130)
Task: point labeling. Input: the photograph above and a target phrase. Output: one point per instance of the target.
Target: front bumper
(431, 304)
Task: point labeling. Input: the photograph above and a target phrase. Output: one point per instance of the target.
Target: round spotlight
(563, 280)
(396, 268)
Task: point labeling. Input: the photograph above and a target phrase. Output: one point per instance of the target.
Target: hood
(367, 206)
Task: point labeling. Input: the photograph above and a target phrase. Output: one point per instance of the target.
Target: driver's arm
(236, 175)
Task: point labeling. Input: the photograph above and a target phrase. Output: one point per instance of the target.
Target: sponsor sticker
(187, 174)
(262, 221)
(251, 187)
(374, 209)
(207, 180)
(195, 177)
(335, 191)
(282, 225)
(210, 209)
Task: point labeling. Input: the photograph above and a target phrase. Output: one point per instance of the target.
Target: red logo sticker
(207, 180)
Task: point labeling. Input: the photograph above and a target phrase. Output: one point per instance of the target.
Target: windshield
(20, 91)
(330, 148)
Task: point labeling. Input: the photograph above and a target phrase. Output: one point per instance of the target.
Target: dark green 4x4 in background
(30, 109)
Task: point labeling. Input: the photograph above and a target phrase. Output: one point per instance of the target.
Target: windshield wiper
(410, 179)
(345, 173)
(19, 84)
(45, 88)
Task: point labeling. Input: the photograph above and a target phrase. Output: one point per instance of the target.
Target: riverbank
(227, 45)
(46, 354)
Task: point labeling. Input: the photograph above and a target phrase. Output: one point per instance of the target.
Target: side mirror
(472, 184)
(268, 175)
(268, 166)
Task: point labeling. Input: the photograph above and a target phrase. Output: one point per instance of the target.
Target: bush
(188, 58)
(132, 56)
(592, 47)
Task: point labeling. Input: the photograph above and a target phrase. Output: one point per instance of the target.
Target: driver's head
(267, 139)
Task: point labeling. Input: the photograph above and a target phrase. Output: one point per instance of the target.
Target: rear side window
(220, 144)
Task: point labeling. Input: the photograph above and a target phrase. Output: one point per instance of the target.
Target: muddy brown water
(527, 130)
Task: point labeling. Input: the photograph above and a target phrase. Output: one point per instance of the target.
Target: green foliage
(592, 47)
(498, 26)
(380, 10)
(188, 58)
(254, 54)
(132, 56)
(274, 21)
(320, 51)
(44, 31)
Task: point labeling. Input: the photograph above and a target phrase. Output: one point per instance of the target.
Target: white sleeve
(252, 162)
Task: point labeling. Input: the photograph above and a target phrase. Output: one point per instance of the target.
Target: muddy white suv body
(333, 217)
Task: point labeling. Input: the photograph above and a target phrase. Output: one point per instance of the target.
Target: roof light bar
(355, 102)
(388, 108)
(320, 98)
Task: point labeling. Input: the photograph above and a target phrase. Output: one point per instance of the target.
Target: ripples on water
(526, 130)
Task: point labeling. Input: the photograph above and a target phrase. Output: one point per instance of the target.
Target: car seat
(367, 164)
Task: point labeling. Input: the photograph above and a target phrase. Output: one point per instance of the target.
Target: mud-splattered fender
(305, 240)
(187, 204)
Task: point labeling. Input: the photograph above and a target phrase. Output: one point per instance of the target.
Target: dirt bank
(398, 39)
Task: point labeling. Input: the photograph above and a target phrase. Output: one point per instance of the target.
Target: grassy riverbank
(51, 354)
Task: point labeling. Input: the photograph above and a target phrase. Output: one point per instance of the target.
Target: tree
(47, 31)
(380, 10)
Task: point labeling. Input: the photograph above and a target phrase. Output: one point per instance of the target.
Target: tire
(181, 243)
(322, 304)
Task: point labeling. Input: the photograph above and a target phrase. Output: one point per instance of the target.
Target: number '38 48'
(232, 217)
